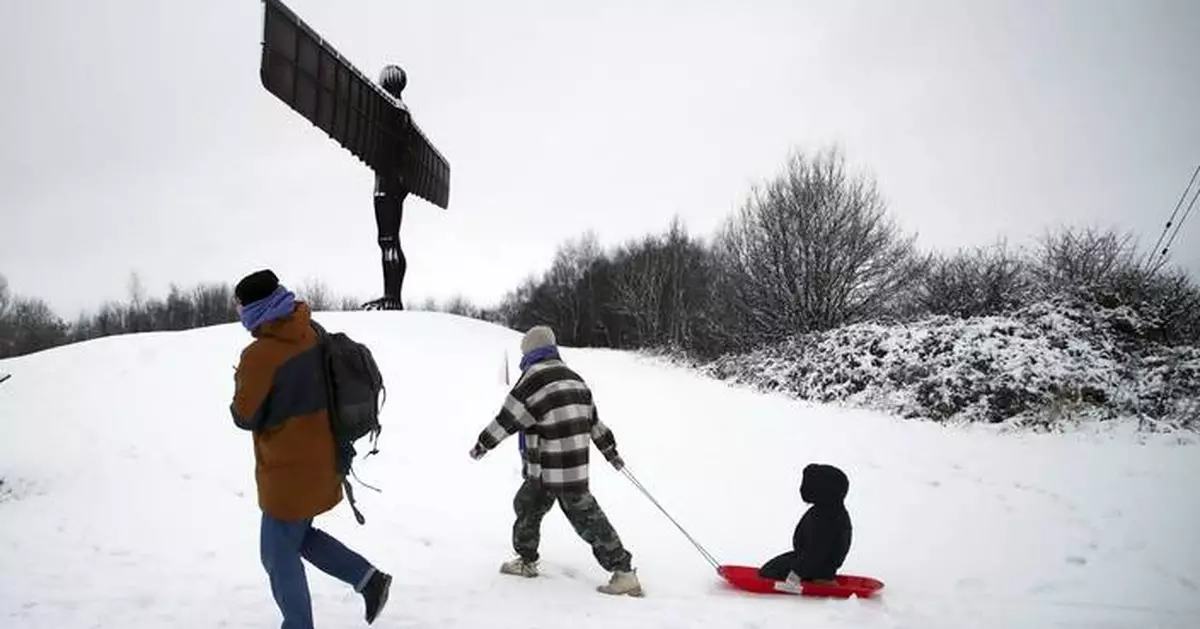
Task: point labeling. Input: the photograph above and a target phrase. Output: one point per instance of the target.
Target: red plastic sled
(746, 578)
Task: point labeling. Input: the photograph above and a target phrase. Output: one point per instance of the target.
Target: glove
(478, 451)
(618, 463)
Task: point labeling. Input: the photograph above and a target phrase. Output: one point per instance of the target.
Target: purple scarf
(538, 355)
(277, 305)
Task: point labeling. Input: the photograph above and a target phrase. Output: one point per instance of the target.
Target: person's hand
(478, 451)
(618, 463)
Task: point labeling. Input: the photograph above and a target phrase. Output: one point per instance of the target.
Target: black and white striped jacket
(552, 407)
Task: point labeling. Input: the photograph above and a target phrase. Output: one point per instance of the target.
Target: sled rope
(707, 555)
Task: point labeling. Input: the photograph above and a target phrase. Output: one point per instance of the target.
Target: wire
(1154, 250)
(707, 555)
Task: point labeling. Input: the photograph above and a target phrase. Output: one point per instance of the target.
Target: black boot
(375, 594)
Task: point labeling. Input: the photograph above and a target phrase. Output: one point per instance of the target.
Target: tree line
(813, 248)
(29, 324)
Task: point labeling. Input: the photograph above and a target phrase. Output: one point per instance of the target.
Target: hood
(824, 485)
(294, 327)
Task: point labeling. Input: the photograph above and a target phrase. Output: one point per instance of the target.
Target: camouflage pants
(532, 503)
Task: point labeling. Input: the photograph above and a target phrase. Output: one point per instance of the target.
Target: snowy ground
(128, 500)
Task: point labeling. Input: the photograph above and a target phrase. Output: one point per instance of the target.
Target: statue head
(393, 79)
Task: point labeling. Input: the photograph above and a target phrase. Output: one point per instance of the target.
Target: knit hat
(256, 286)
(537, 337)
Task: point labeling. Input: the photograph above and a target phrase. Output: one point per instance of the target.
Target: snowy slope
(128, 500)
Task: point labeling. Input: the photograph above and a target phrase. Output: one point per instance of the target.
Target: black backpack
(356, 394)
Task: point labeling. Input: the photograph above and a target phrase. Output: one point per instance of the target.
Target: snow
(128, 499)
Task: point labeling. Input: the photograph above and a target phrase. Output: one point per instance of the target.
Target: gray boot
(519, 567)
(622, 583)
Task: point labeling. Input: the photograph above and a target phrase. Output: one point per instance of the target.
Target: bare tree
(639, 288)
(215, 304)
(566, 299)
(137, 317)
(317, 294)
(5, 296)
(661, 286)
(181, 310)
(33, 327)
(1075, 260)
(7, 329)
(137, 292)
(813, 249)
(563, 297)
(460, 305)
(975, 282)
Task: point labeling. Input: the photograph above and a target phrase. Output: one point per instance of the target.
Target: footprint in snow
(1189, 584)
(1076, 560)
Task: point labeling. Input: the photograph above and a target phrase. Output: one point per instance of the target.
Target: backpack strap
(350, 497)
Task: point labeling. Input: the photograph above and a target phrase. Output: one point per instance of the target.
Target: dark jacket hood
(824, 485)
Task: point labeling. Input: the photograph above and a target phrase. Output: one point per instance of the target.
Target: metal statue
(371, 121)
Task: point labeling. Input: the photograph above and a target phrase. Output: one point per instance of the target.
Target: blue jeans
(283, 544)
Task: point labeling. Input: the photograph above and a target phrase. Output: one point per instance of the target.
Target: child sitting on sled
(822, 538)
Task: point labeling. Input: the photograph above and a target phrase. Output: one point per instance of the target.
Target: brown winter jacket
(281, 397)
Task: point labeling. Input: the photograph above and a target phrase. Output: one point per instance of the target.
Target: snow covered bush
(1051, 362)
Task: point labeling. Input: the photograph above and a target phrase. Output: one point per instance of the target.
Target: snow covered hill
(128, 500)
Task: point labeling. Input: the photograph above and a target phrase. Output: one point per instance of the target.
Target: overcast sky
(136, 136)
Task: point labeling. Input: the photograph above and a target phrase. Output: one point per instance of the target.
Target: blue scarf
(277, 305)
(538, 355)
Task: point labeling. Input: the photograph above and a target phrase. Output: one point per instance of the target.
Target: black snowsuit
(822, 538)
